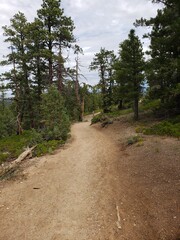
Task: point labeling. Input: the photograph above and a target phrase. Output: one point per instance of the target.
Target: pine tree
(163, 71)
(19, 76)
(58, 35)
(103, 62)
(129, 69)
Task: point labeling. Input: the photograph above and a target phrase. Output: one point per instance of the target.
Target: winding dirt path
(95, 185)
(68, 196)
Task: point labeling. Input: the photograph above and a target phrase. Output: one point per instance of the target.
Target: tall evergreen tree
(130, 68)
(163, 71)
(58, 35)
(36, 52)
(19, 76)
(37, 58)
(103, 62)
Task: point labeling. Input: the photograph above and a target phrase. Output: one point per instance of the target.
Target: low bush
(164, 128)
(11, 147)
(47, 147)
(7, 122)
(134, 139)
(97, 118)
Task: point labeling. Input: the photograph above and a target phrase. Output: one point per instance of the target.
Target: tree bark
(120, 104)
(77, 83)
(82, 108)
(60, 77)
(136, 109)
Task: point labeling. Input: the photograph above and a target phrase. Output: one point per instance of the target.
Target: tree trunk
(82, 108)
(60, 77)
(50, 72)
(120, 104)
(39, 78)
(60, 70)
(136, 109)
(103, 87)
(50, 46)
(77, 82)
(19, 124)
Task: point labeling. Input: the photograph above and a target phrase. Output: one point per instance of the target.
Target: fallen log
(26, 154)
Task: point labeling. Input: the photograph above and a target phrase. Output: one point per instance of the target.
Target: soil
(96, 188)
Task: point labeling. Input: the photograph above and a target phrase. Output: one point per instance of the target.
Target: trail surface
(96, 188)
(68, 196)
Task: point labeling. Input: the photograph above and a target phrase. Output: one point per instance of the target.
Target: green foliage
(4, 156)
(47, 147)
(36, 59)
(33, 137)
(7, 122)
(164, 128)
(92, 98)
(11, 147)
(175, 120)
(129, 70)
(134, 139)
(162, 69)
(140, 129)
(113, 114)
(97, 118)
(73, 110)
(117, 113)
(56, 121)
(150, 104)
(103, 62)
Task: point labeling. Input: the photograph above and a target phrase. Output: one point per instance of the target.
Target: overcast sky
(99, 23)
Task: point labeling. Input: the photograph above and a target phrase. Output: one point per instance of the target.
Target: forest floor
(96, 188)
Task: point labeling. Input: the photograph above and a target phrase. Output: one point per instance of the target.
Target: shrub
(134, 139)
(164, 128)
(97, 118)
(7, 122)
(47, 147)
(140, 129)
(11, 147)
(4, 156)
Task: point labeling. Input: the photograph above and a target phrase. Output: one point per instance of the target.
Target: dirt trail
(75, 193)
(68, 196)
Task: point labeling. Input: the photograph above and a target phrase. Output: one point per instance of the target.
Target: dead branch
(119, 219)
(26, 154)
